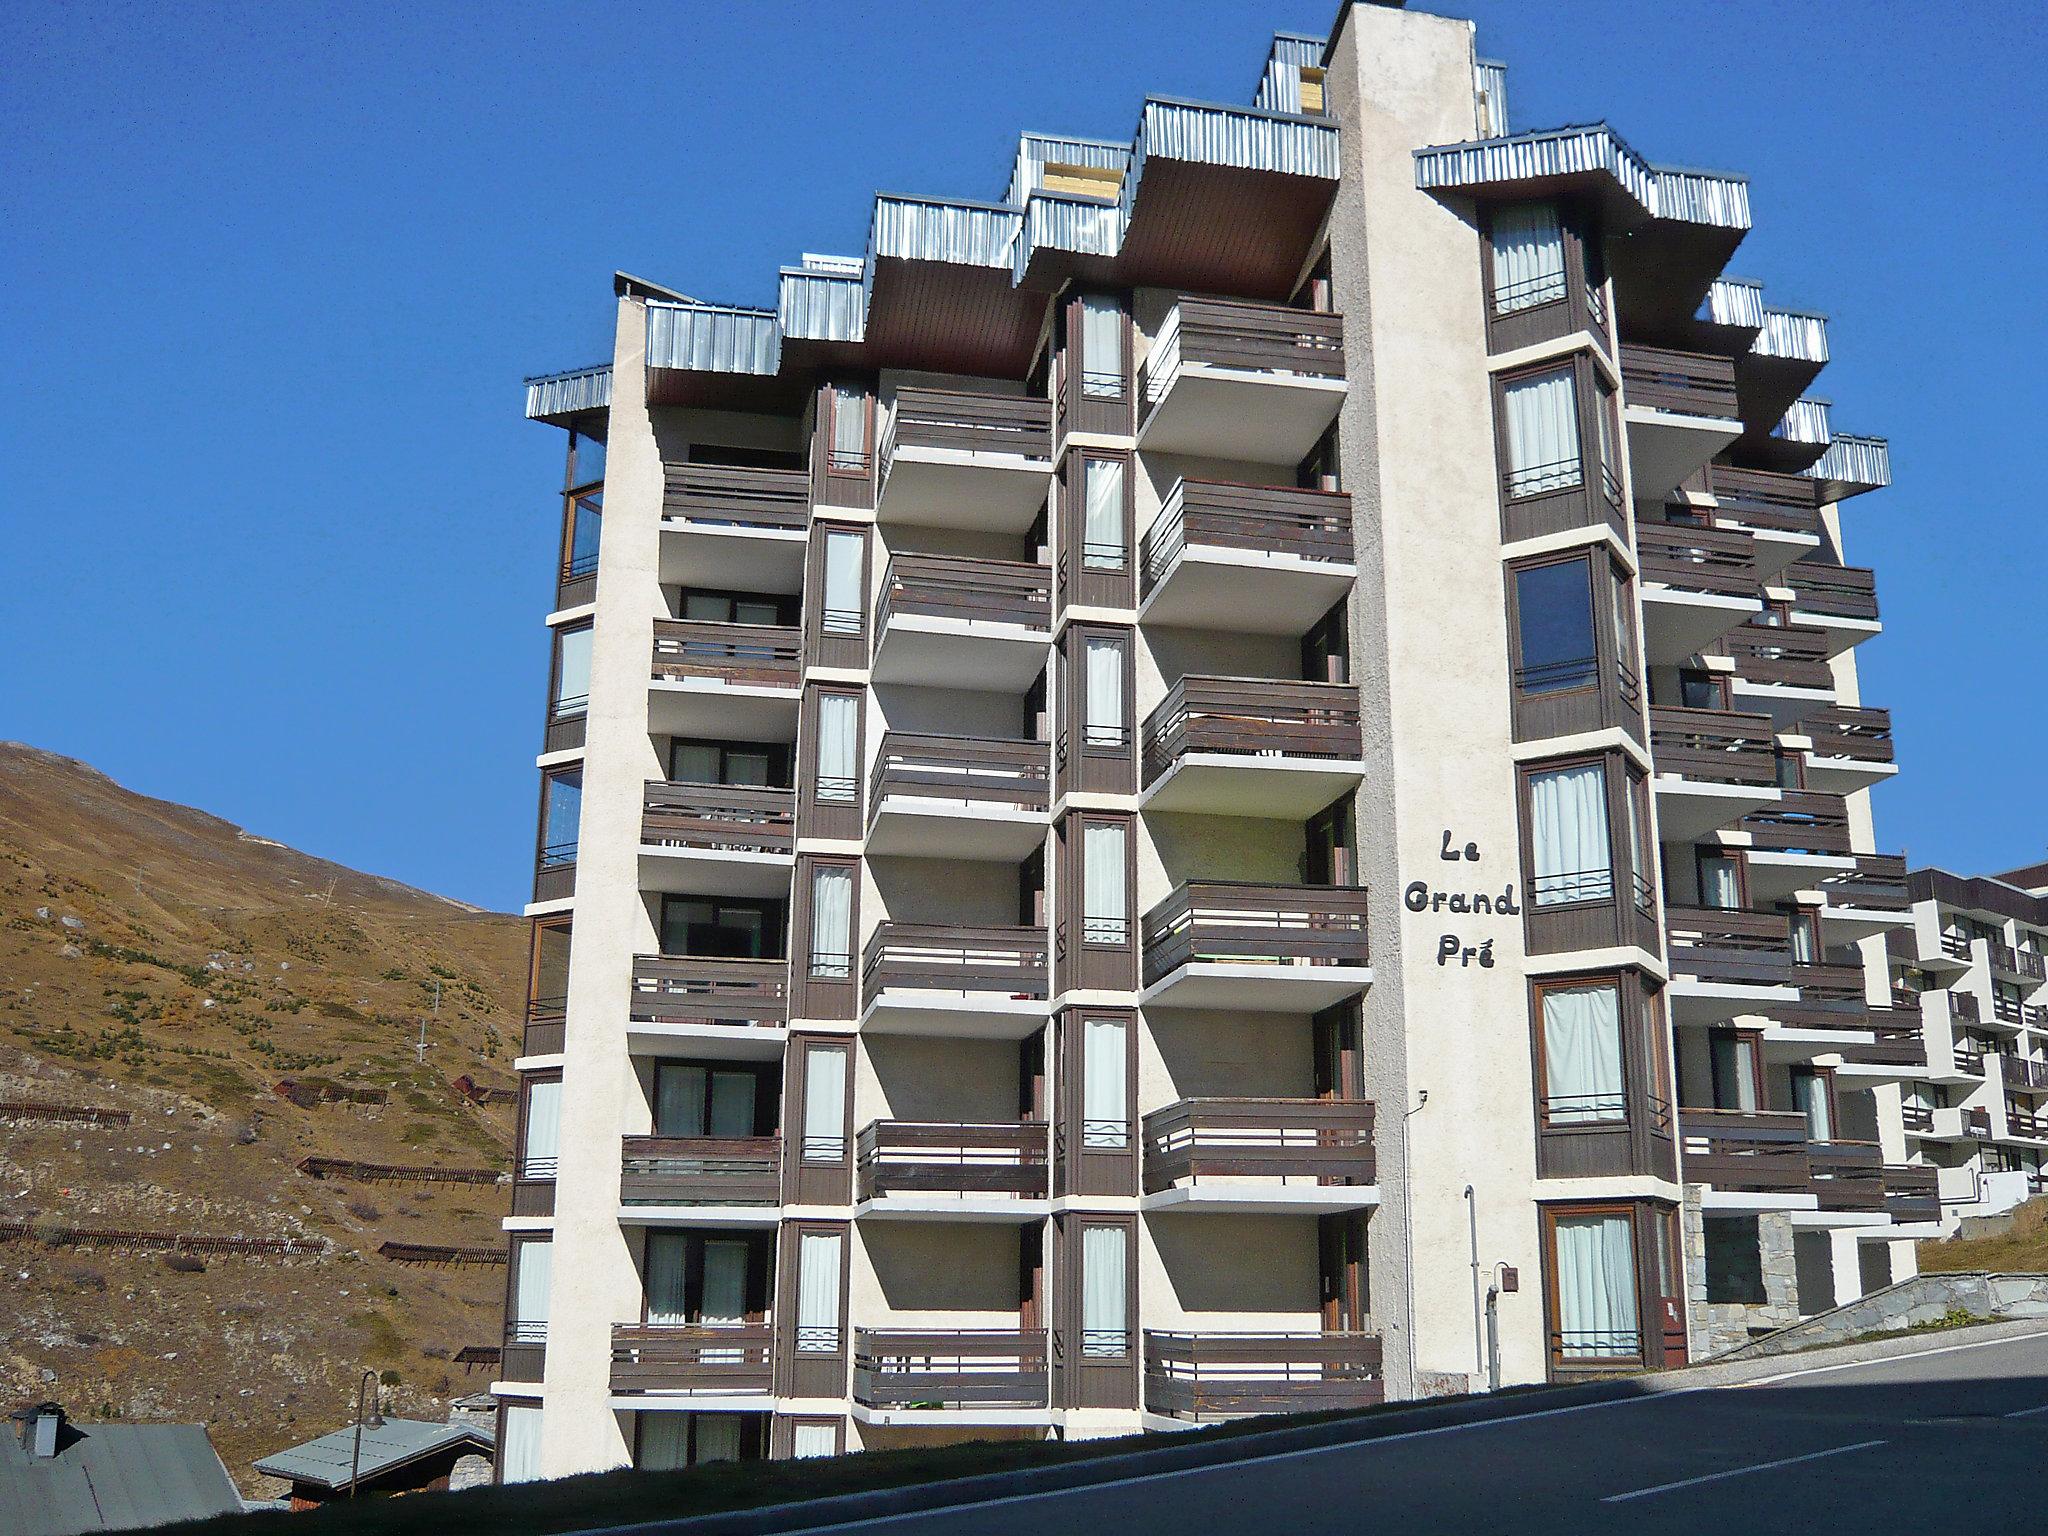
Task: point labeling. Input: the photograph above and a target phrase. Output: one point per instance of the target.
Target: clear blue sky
(277, 541)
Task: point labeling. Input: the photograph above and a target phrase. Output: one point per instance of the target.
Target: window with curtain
(1543, 433)
(845, 600)
(691, 1100)
(1105, 1325)
(532, 1284)
(1102, 516)
(807, 1440)
(849, 450)
(718, 1437)
(1582, 1076)
(572, 672)
(1810, 1098)
(831, 922)
(1720, 882)
(667, 1278)
(543, 1129)
(817, 1292)
(824, 1104)
(1610, 459)
(519, 1445)
(1624, 622)
(1568, 835)
(1639, 842)
(1102, 686)
(838, 739)
(664, 1444)
(1528, 257)
(1555, 648)
(1731, 1059)
(561, 814)
(1596, 1287)
(1104, 919)
(724, 1303)
(1102, 346)
(1105, 1088)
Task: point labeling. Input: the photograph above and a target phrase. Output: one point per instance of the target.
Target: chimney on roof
(39, 1429)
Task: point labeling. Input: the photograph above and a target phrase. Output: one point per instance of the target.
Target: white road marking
(1853, 1365)
(1762, 1466)
(2027, 1413)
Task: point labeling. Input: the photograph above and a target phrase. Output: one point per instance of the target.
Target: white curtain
(849, 428)
(1103, 917)
(732, 1104)
(1102, 346)
(1528, 257)
(845, 602)
(725, 1283)
(838, 730)
(1610, 463)
(1810, 1097)
(1582, 1055)
(667, 1253)
(531, 1287)
(1102, 525)
(1719, 886)
(718, 1437)
(1596, 1287)
(678, 1100)
(572, 671)
(1734, 1073)
(1103, 1320)
(664, 1442)
(817, 1292)
(832, 921)
(1105, 1093)
(1568, 828)
(814, 1440)
(1543, 433)
(543, 1127)
(519, 1451)
(824, 1103)
(1103, 687)
(1639, 840)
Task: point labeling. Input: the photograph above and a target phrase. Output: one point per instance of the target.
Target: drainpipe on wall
(1408, 1228)
(1478, 1314)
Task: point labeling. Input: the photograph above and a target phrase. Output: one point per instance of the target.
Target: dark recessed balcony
(960, 459)
(1201, 1376)
(951, 621)
(708, 990)
(1252, 746)
(713, 680)
(958, 797)
(950, 1369)
(972, 1171)
(1681, 412)
(727, 839)
(954, 979)
(692, 1171)
(1255, 383)
(692, 1359)
(736, 528)
(1309, 1155)
(1250, 559)
(1697, 585)
(1218, 944)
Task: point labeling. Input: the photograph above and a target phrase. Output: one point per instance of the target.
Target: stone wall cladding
(1912, 1303)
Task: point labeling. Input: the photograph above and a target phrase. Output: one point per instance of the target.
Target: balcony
(1780, 670)
(1754, 1160)
(739, 529)
(1848, 1176)
(1202, 1376)
(1681, 412)
(1867, 899)
(700, 1180)
(1837, 601)
(1794, 843)
(1272, 1155)
(1247, 559)
(1292, 948)
(958, 797)
(1977, 1124)
(709, 1004)
(2025, 1124)
(725, 839)
(1725, 963)
(964, 1375)
(956, 459)
(1912, 1193)
(973, 982)
(1250, 746)
(952, 622)
(1713, 768)
(1697, 585)
(1777, 511)
(1895, 1051)
(1255, 383)
(689, 1360)
(921, 1170)
(2020, 964)
(1848, 747)
(2023, 1074)
(717, 680)
(1917, 1117)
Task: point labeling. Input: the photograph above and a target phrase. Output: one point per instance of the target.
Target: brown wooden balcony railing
(1756, 1151)
(725, 818)
(1912, 1192)
(920, 1157)
(1714, 746)
(1850, 730)
(1688, 383)
(673, 989)
(766, 655)
(1977, 1122)
(1970, 1060)
(2024, 1122)
(1763, 498)
(1898, 1041)
(954, 958)
(968, 421)
(1916, 1117)
(1327, 1141)
(1784, 655)
(1838, 591)
(2014, 962)
(1800, 821)
(956, 587)
(980, 769)
(1251, 717)
(1256, 338)
(1255, 924)
(1716, 560)
(546, 1022)
(2007, 1010)
(1964, 1005)
(1955, 945)
(1878, 884)
(950, 1367)
(1847, 1175)
(2036, 1015)
(712, 1360)
(739, 497)
(1268, 519)
(700, 1170)
(1739, 948)
(1216, 1375)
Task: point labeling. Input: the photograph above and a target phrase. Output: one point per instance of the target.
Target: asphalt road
(1950, 1440)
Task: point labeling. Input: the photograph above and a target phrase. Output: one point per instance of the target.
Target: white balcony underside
(1829, 1221)
(1246, 591)
(1786, 706)
(1785, 1044)
(1716, 1002)
(739, 559)
(1234, 784)
(708, 707)
(699, 1215)
(1664, 448)
(692, 1402)
(1779, 876)
(1845, 775)
(1256, 988)
(716, 1042)
(960, 653)
(1860, 922)
(1690, 809)
(1263, 1197)
(984, 1210)
(1745, 1202)
(1776, 548)
(953, 488)
(1679, 624)
(909, 827)
(958, 1015)
(713, 872)
(1233, 413)
(1841, 633)
(966, 1418)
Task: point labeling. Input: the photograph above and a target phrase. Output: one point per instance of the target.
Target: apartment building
(1973, 969)
(1231, 783)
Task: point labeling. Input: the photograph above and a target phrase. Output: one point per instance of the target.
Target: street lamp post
(376, 1421)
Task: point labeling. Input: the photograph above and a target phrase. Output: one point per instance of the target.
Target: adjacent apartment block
(1973, 966)
(1233, 782)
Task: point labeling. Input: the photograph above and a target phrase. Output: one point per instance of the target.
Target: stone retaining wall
(1910, 1303)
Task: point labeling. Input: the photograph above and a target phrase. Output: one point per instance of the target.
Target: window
(1811, 1097)
(831, 922)
(813, 1439)
(1528, 257)
(1596, 1286)
(1554, 623)
(1102, 521)
(572, 673)
(543, 1129)
(519, 1444)
(697, 1281)
(1804, 931)
(824, 1129)
(1624, 621)
(1698, 690)
(1639, 842)
(1582, 1064)
(838, 736)
(845, 601)
(1735, 1271)
(1104, 917)
(817, 1292)
(672, 1441)
(586, 460)
(1610, 462)
(1543, 433)
(1105, 1094)
(731, 607)
(1720, 881)
(1102, 347)
(1568, 835)
(1105, 1328)
(691, 1100)
(1791, 772)
(1103, 692)
(561, 813)
(580, 538)
(848, 453)
(532, 1283)
(725, 762)
(720, 928)
(1732, 1064)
